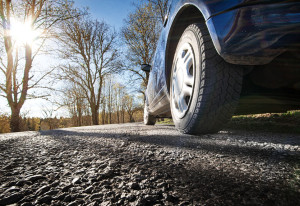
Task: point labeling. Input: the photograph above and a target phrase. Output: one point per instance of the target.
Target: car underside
(274, 87)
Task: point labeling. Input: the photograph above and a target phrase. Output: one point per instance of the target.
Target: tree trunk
(79, 109)
(15, 119)
(118, 116)
(131, 119)
(103, 116)
(95, 116)
(123, 115)
(103, 111)
(109, 100)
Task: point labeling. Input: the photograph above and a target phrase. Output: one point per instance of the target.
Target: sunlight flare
(22, 32)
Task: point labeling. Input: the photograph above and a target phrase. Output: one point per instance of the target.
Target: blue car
(215, 58)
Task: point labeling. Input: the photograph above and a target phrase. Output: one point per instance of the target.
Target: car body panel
(243, 32)
(255, 35)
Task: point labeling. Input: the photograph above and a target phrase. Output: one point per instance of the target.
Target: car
(218, 58)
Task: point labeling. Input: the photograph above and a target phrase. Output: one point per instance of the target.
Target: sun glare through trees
(59, 52)
(22, 32)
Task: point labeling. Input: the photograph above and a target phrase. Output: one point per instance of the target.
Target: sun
(22, 33)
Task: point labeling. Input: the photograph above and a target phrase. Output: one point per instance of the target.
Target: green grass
(165, 121)
(288, 122)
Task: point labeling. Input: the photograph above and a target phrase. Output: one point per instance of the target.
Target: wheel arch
(188, 14)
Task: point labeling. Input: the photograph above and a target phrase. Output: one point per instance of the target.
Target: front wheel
(148, 118)
(204, 89)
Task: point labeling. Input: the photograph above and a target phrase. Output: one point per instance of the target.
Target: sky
(112, 12)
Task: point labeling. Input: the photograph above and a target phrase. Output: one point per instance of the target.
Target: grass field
(288, 122)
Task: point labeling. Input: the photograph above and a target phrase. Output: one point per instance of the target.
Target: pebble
(76, 180)
(66, 188)
(134, 186)
(89, 189)
(12, 189)
(42, 190)
(35, 178)
(44, 199)
(11, 199)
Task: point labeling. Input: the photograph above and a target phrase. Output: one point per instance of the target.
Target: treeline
(37, 124)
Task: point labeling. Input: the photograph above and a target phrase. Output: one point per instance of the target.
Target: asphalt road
(133, 164)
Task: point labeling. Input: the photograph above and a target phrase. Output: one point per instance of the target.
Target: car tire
(204, 89)
(148, 118)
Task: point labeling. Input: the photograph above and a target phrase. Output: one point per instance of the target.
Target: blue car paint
(255, 35)
(243, 32)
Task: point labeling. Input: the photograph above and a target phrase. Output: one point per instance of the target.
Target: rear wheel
(148, 118)
(204, 88)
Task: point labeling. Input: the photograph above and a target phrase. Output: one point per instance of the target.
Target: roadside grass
(165, 121)
(288, 122)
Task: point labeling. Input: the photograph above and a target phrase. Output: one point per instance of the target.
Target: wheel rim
(183, 78)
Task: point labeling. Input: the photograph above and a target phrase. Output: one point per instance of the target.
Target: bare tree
(89, 47)
(103, 104)
(140, 34)
(119, 95)
(129, 106)
(50, 118)
(36, 18)
(109, 99)
(160, 7)
(75, 101)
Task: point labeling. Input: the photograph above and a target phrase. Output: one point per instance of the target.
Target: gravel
(133, 164)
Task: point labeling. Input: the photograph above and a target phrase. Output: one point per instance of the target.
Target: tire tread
(213, 109)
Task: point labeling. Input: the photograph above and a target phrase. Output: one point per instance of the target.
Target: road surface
(133, 164)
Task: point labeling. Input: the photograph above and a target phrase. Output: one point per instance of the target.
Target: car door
(158, 66)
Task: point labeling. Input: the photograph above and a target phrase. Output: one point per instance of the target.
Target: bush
(4, 124)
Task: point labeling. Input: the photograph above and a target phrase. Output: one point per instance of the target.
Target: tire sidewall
(148, 118)
(189, 36)
(146, 115)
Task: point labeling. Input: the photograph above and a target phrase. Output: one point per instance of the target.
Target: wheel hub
(183, 80)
